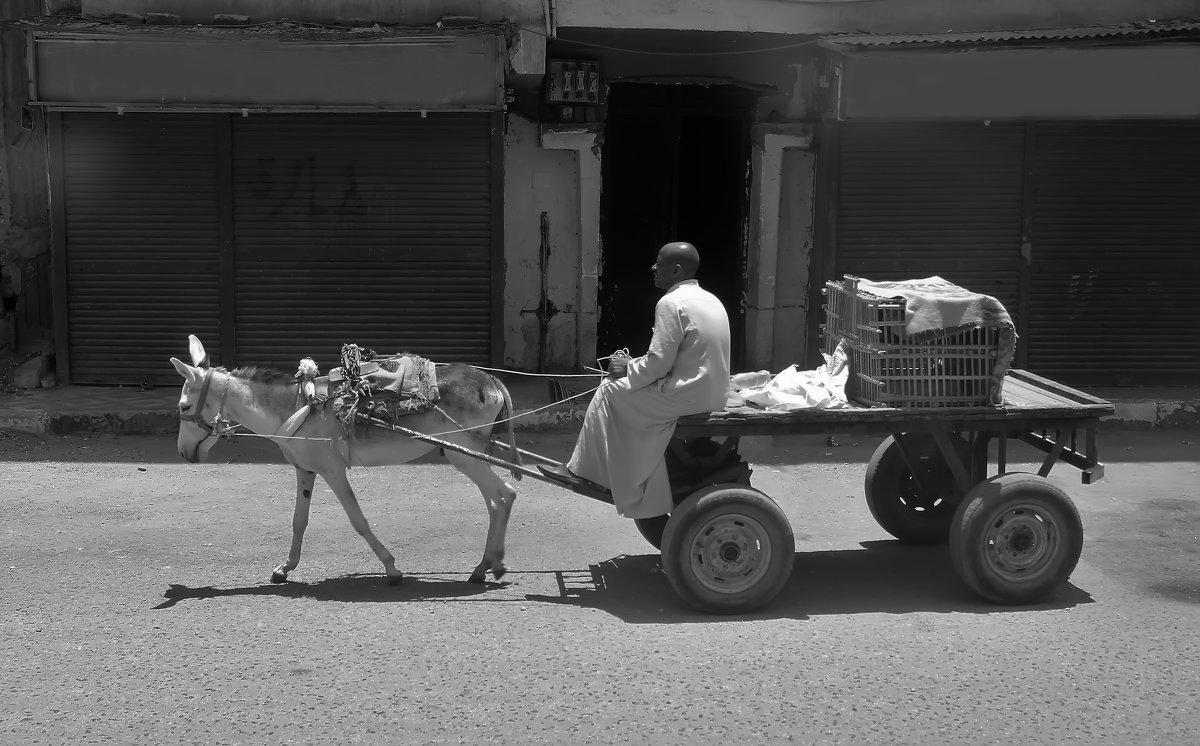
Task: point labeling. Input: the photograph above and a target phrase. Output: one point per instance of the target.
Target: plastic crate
(889, 368)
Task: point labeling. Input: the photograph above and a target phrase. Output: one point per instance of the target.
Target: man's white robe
(630, 420)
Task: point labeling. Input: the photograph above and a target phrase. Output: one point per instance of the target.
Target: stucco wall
(539, 185)
(807, 17)
(24, 202)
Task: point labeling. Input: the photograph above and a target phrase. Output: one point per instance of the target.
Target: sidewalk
(128, 411)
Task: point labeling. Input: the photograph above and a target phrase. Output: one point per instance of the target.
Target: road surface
(137, 609)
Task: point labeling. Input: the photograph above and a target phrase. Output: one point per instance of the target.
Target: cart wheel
(1016, 538)
(652, 529)
(895, 497)
(728, 549)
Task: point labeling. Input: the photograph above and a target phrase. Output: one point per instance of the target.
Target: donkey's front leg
(340, 485)
(304, 490)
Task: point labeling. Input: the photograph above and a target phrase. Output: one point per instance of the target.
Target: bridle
(220, 426)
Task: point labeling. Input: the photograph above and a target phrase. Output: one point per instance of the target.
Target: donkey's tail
(506, 414)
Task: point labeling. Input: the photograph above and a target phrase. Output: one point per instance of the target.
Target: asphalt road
(137, 609)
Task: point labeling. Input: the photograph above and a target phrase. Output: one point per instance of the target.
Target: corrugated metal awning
(1151, 29)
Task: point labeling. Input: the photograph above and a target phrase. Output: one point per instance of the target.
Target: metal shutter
(140, 240)
(1116, 253)
(919, 198)
(374, 229)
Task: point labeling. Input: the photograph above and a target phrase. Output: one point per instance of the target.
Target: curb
(24, 423)
(1145, 414)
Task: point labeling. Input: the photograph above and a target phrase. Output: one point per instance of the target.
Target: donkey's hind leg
(304, 490)
(498, 495)
(340, 485)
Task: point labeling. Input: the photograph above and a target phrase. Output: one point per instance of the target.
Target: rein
(222, 427)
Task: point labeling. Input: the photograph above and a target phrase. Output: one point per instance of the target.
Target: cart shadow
(884, 577)
(356, 588)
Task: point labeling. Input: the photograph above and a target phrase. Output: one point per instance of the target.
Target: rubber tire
(1016, 538)
(892, 493)
(726, 516)
(652, 529)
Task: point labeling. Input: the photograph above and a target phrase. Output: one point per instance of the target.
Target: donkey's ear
(199, 356)
(185, 370)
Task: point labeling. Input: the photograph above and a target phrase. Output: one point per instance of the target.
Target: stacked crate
(890, 368)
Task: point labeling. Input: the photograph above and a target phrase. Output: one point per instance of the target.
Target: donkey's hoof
(396, 579)
(498, 572)
(278, 577)
(476, 577)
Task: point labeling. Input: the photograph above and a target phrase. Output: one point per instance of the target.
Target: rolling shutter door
(140, 233)
(372, 229)
(916, 199)
(1116, 252)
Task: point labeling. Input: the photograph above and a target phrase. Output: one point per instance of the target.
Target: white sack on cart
(792, 388)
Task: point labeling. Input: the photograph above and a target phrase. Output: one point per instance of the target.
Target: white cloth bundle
(792, 389)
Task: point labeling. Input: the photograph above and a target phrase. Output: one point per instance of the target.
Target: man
(632, 416)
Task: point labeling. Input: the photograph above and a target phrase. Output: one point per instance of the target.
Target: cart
(1014, 538)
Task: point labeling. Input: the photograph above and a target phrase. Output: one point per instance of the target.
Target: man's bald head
(683, 254)
(677, 261)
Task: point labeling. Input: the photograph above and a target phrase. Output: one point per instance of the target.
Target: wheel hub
(729, 552)
(1020, 542)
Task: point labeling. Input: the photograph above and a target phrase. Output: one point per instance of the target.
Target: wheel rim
(1021, 542)
(730, 553)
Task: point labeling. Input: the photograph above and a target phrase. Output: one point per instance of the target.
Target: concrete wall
(407, 12)
(255, 73)
(1099, 83)
(780, 249)
(541, 218)
(921, 16)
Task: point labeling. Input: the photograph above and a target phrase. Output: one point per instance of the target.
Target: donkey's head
(197, 408)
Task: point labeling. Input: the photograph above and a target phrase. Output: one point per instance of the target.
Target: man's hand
(618, 364)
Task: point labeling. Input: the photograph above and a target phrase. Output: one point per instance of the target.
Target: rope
(540, 375)
(279, 437)
(514, 417)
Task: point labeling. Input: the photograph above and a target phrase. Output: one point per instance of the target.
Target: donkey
(263, 400)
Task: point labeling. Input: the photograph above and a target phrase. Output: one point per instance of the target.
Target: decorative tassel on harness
(307, 395)
(307, 372)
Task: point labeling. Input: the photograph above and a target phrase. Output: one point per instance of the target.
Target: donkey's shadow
(347, 588)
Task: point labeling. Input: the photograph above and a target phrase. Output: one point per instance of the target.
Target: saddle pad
(382, 387)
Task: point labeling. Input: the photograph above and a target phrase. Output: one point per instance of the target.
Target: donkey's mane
(262, 375)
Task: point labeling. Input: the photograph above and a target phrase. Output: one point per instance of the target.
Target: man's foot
(566, 476)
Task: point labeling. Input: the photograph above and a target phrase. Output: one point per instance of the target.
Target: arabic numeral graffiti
(293, 186)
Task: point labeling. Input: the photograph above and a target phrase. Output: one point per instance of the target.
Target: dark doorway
(675, 168)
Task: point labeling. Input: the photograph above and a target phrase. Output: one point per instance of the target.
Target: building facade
(489, 182)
